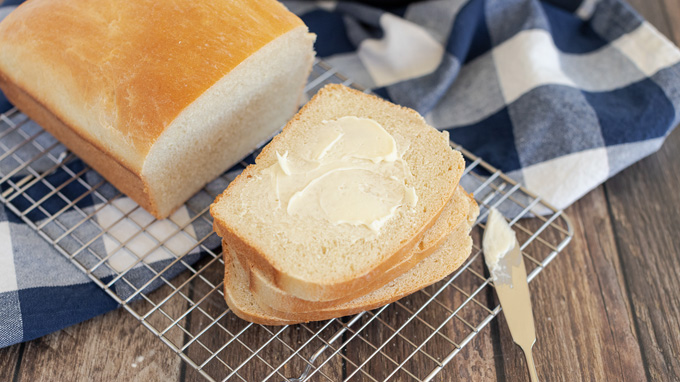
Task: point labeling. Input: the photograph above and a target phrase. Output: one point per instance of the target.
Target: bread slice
(314, 259)
(453, 215)
(446, 259)
(237, 293)
(160, 97)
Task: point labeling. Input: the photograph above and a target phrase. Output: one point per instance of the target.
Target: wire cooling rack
(168, 274)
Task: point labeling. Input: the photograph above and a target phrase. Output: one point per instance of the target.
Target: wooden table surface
(608, 308)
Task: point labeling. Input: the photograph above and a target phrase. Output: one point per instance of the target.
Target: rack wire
(168, 274)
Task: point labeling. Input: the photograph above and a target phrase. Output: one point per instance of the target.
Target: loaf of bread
(160, 97)
(317, 258)
(443, 261)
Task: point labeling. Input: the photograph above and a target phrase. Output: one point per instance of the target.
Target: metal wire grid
(412, 339)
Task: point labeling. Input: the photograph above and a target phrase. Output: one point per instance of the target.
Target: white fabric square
(585, 170)
(137, 245)
(8, 281)
(526, 61)
(406, 51)
(586, 9)
(648, 49)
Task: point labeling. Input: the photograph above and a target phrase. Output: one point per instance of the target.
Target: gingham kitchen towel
(560, 94)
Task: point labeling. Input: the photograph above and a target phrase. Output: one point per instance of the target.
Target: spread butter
(351, 172)
(498, 240)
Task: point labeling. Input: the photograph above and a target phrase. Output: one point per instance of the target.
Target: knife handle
(530, 363)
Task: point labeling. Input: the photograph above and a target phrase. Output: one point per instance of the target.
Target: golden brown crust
(262, 320)
(376, 304)
(108, 78)
(125, 180)
(136, 63)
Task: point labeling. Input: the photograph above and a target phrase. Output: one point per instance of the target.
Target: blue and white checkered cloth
(560, 94)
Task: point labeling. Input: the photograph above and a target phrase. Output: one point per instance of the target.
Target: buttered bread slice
(455, 213)
(340, 196)
(445, 260)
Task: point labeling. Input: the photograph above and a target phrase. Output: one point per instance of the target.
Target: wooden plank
(645, 206)
(9, 358)
(672, 8)
(583, 325)
(111, 347)
(654, 12)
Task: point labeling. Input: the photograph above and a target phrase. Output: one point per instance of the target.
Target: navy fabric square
(7, 215)
(45, 201)
(68, 305)
(4, 103)
(492, 139)
(568, 5)
(570, 33)
(8, 3)
(382, 92)
(331, 34)
(624, 124)
(469, 37)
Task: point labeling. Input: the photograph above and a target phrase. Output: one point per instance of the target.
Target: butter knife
(506, 265)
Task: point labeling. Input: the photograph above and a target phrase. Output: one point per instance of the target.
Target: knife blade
(506, 265)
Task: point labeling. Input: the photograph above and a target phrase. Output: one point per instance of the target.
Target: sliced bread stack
(354, 205)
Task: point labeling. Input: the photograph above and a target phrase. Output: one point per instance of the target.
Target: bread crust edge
(127, 181)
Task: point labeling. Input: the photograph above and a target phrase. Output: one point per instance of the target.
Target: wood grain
(645, 207)
(672, 11)
(655, 13)
(9, 359)
(480, 358)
